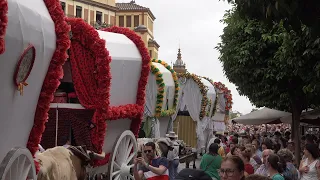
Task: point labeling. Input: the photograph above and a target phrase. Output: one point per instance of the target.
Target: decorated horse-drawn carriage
(94, 98)
(161, 99)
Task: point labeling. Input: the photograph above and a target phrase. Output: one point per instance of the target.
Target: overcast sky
(197, 27)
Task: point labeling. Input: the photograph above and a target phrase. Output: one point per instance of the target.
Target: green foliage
(294, 13)
(101, 25)
(273, 66)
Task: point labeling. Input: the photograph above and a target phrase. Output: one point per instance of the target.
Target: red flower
(53, 76)
(3, 23)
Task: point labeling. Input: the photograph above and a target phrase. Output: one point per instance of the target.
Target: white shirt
(312, 174)
(174, 154)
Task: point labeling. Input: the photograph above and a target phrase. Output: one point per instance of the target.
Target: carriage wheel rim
(18, 164)
(122, 157)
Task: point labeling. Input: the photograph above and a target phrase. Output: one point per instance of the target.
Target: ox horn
(96, 156)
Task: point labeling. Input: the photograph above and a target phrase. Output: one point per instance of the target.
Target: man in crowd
(173, 155)
(262, 170)
(151, 168)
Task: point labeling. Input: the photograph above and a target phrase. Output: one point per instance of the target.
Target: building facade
(92, 11)
(140, 19)
(109, 13)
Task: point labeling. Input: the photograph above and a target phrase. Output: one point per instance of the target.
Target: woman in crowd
(255, 160)
(275, 167)
(291, 171)
(245, 156)
(310, 166)
(211, 162)
(235, 151)
(266, 144)
(232, 168)
(256, 145)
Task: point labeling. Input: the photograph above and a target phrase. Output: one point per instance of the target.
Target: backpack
(192, 174)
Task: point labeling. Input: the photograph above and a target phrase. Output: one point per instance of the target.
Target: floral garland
(161, 86)
(203, 90)
(215, 106)
(226, 92)
(93, 43)
(227, 95)
(160, 95)
(3, 23)
(132, 111)
(53, 76)
(209, 106)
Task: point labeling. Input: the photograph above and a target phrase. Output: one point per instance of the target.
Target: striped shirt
(160, 161)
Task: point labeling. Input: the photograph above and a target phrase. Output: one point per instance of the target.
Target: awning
(262, 116)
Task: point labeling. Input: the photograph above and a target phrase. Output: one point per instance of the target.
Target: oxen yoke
(82, 153)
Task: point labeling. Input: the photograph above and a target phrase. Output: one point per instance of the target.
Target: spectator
(263, 169)
(290, 172)
(275, 167)
(232, 168)
(156, 170)
(245, 156)
(309, 167)
(211, 162)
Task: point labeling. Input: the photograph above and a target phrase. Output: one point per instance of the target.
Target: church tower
(179, 66)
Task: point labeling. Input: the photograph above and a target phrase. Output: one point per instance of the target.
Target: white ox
(65, 163)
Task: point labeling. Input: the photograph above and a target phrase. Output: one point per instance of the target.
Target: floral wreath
(225, 91)
(3, 23)
(161, 85)
(203, 90)
(53, 76)
(133, 111)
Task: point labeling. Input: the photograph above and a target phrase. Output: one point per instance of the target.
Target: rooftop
(132, 6)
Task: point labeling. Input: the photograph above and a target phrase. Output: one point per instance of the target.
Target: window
(99, 17)
(128, 21)
(63, 5)
(150, 52)
(79, 11)
(136, 21)
(121, 21)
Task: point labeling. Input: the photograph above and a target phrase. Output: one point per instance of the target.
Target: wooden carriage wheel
(121, 161)
(17, 165)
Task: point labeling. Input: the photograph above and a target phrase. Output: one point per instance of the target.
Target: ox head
(86, 156)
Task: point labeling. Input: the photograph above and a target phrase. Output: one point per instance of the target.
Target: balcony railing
(95, 24)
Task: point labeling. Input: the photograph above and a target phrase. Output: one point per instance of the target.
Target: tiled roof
(132, 6)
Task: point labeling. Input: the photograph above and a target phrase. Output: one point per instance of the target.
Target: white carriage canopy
(125, 70)
(220, 114)
(160, 99)
(191, 88)
(29, 26)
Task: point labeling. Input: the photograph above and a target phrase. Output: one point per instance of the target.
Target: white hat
(172, 134)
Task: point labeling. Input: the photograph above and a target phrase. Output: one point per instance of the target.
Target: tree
(254, 109)
(234, 115)
(294, 13)
(272, 66)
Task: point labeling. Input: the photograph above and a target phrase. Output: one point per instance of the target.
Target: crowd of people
(249, 154)
(255, 154)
